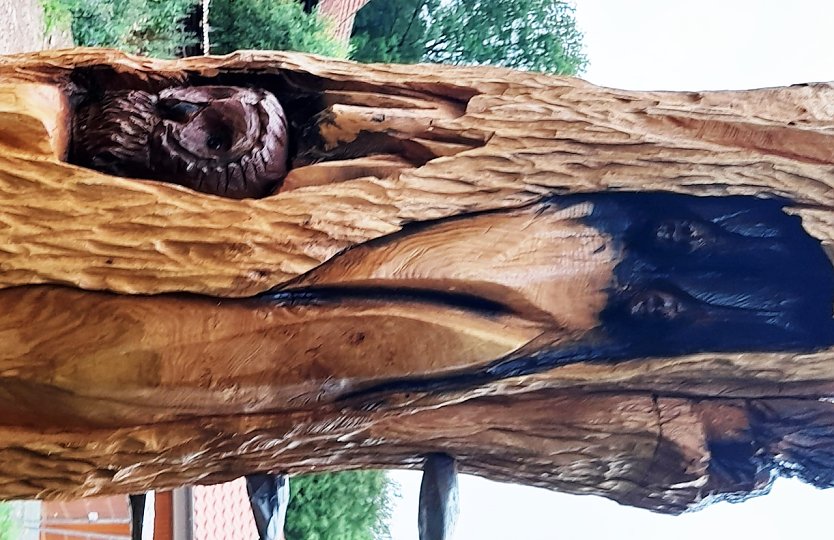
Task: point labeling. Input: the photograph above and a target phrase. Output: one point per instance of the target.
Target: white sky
(667, 45)
(707, 44)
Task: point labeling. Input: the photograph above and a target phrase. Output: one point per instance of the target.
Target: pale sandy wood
(155, 359)
(34, 118)
(543, 265)
(116, 391)
(331, 172)
(541, 134)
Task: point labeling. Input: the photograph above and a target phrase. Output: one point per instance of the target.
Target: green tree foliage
(150, 27)
(538, 35)
(271, 24)
(353, 505)
(8, 527)
(392, 31)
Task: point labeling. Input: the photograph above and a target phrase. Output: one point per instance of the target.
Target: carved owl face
(222, 140)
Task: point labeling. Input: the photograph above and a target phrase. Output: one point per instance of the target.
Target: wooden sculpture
(222, 140)
(591, 290)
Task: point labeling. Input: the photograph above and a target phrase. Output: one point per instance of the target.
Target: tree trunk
(454, 264)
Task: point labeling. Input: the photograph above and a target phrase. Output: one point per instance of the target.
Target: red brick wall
(342, 12)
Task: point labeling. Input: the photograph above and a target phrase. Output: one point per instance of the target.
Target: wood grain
(541, 135)
(153, 336)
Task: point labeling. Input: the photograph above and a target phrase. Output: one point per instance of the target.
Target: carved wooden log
(450, 267)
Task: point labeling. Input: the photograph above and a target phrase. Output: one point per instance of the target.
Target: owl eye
(217, 141)
(214, 142)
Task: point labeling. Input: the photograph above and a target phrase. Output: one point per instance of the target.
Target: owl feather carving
(222, 140)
